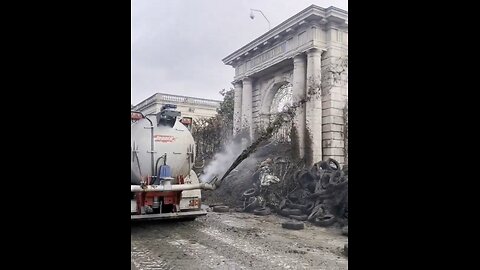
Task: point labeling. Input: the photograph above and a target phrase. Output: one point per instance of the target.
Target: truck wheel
(295, 206)
(308, 208)
(324, 221)
(304, 177)
(335, 164)
(325, 181)
(336, 177)
(252, 205)
(221, 208)
(323, 165)
(249, 193)
(293, 225)
(316, 211)
(263, 211)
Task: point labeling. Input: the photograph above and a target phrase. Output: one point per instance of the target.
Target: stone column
(247, 106)
(237, 107)
(298, 93)
(313, 139)
(334, 98)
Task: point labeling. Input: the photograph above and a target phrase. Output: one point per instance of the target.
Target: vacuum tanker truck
(163, 184)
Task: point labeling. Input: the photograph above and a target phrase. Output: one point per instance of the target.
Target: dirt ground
(235, 241)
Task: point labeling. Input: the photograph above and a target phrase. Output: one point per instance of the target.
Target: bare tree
(211, 133)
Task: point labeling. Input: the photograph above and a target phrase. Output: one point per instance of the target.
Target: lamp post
(252, 16)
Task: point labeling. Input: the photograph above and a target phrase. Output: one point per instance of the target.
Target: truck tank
(157, 140)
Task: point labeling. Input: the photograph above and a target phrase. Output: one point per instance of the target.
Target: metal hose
(151, 145)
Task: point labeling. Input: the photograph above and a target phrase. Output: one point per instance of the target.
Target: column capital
(247, 80)
(315, 50)
(237, 83)
(299, 57)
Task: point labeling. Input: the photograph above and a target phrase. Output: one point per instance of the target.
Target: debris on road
(271, 179)
(235, 241)
(221, 208)
(320, 194)
(263, 211)
(293, 225)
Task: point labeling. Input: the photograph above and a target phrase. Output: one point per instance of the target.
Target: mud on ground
(235, 241)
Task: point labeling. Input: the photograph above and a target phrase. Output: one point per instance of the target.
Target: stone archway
(267, 100)
(305, 49)
(282, 99)
(278, 97)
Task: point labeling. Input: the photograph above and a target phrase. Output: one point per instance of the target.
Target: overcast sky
(178, 45)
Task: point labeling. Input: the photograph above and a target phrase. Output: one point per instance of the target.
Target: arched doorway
(280, 102)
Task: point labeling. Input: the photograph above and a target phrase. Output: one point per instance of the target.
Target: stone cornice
(291, 54)
(162, 98)
(330, 14)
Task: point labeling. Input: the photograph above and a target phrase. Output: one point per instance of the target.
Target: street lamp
(252, 16)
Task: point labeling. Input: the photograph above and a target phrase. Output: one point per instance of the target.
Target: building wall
(188, 106)
(306, 50)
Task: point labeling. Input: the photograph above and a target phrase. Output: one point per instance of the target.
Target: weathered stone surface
(333, 127)
(333, 120)
(333, 135)
(333, 143)
(334, 151)
(308, 53)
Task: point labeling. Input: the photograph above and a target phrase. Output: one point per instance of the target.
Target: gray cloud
(177, 45)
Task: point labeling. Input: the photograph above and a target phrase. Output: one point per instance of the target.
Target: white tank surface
(170, 138)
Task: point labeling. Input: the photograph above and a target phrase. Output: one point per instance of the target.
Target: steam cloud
(222, 160)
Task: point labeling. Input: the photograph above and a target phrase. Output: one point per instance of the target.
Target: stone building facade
(308, 53)
(191, 108)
